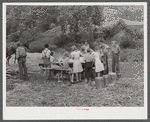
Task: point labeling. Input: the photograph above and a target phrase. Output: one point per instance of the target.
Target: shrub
(127, 44)
(132, 55)
(36, 47)
(52, 47)
(124, 55)
(63, 40)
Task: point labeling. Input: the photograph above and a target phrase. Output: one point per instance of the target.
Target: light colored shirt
(76, 55)
(51, 59)
(105, 48)
(20, 52)
(46, 52)
(115, 49)
(89, 57)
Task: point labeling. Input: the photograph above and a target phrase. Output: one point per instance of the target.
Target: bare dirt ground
(40, 92)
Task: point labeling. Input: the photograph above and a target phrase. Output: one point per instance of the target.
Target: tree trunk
(90, 37)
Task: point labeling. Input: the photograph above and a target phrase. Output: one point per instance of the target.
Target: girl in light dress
(65, 61)
(99, 66)
(52, 57)
(77, 67)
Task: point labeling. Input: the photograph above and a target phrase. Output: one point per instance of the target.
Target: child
(64, 64)
(98, 65)
(52, 57)
(46, 59)
(83, 52)
(77, 67)
(65, 60)
(88, 58)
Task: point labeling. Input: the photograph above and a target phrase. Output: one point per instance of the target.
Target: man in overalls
(46, 59)
(21, 57)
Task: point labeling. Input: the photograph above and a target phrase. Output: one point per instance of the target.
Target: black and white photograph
(86, 58)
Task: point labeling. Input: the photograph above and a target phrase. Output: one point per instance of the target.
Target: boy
(46, 59)
(88, 58)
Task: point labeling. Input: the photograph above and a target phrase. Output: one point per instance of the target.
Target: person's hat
(46, 45)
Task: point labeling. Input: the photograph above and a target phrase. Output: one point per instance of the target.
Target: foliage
(123, 55)
(113, 30)
(52, 47)
(80, 19)
(29, 17)
(127, 44)
(63, 40)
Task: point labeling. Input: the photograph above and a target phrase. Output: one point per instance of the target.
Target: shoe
(26, 79)
(77, 81)
(59, 81)
(72, 82)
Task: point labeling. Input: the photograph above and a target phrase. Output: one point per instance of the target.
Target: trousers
(88, 70)
(115, 63)
(105, 61)
(22, 67)
(47, 71)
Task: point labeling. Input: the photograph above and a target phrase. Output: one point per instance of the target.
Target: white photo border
(68, 113)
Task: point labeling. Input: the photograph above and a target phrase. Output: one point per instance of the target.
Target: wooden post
(90, 37)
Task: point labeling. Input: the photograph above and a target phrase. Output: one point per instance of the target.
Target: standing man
(21, 57)
(115, 50)
(46, 59)
(104, 49)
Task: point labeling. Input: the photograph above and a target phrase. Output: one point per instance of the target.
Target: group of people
(87, 56)
(97, 56)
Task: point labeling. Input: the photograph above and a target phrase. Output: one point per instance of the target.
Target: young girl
(46, 60)
(98, 65)
(77, 67)
(83, 52)
(65, 60)
(52, 57)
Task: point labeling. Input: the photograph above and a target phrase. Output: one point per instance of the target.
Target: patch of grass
(36, 92)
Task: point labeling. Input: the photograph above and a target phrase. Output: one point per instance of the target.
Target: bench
(61, 70)
(56, 69)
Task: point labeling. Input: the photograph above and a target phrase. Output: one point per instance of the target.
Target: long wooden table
(60, 70)
(55, 69)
